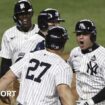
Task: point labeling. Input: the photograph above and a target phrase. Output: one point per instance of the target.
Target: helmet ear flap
(17, 21)
(43, 21)
(93, 37)
(15, 18)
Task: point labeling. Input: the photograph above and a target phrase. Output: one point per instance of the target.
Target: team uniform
(40, 73)
(90, 71)
(14, 40)
(34, 43)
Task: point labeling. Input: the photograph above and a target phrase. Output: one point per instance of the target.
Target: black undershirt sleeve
(5, 64)
(99, 97)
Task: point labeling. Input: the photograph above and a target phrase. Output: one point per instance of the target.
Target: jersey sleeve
(19, 66)
(63, 75)
(5, 51)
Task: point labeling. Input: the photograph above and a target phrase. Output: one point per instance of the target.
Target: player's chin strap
(85, 102)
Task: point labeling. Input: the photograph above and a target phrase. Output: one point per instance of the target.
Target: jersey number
(37, 64)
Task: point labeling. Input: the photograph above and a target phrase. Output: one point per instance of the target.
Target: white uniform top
(34, 43)
(90, 71)
(40, 73)
(13, 41)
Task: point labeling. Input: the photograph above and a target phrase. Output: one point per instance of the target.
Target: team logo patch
(82, 26)
(22, 6)
(93, 58)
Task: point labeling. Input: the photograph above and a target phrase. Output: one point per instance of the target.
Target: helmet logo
(82, 26)
(53, 36)
(50, 16)
(22, 6)
(56, 14)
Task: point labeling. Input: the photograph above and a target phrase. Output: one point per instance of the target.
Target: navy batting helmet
(22, 7)
(56, 38)
(46, 16)
(54, 15)
(86, 27)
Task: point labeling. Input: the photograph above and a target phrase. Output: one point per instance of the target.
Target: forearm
(99, 97)
(6, 80)
(73, 87)
(3, 84)
(66, 96)
(68, 99)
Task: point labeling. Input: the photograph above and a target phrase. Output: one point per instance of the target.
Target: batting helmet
(46, 16)
(54, 15)
(86, 27)
(56, 38)
(22, 7)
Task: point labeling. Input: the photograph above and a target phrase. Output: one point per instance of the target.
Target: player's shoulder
(9, 32)
(36, 29)
(75, 50)
(101, 50)
(38, 36)
(37, 53)
(51, 56)
(58, 60)
(11, 29)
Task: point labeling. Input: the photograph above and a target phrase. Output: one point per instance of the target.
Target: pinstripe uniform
(40, 73)
(90, 71)
(13, 41)
(34, 43)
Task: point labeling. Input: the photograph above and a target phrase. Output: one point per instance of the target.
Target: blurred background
(70, 10)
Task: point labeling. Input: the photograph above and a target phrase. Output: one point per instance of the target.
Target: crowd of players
(31, 55)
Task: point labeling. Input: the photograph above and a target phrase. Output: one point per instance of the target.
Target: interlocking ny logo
(82, 26)
(92, 68)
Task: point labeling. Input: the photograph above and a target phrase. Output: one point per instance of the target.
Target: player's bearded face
(25, 21)
(84, 41)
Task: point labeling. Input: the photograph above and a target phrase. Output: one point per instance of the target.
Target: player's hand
(5, 100)
(85, 102)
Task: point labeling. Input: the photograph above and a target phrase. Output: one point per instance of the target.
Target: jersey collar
(94, 47)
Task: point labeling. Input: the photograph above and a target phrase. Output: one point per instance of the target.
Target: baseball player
(45, 76)
(47, 19)
(15, 37)
(88, 63)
